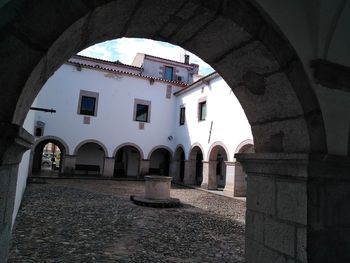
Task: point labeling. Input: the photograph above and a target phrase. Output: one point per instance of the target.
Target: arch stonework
(252, 55)
(257, 55)
(179, 146)
(218, 144)
(242, 144)
(192, 147)
(76, 149)
(54, 139)
(160, 147)
(129, 144)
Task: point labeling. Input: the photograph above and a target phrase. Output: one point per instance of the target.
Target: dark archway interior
(160, 162)
(127, 162)
(196, 159)
(217, 158)
(90, 159)
(179, 158)
(38, 160)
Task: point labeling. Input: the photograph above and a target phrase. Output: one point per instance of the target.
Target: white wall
(23, 166)
(114, 122)
(230, 125)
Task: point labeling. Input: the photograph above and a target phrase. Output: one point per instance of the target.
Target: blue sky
(125, 49)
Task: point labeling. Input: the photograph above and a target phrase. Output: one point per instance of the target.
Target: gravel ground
(94, 221)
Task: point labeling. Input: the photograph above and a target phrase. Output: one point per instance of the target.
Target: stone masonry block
(291, 130)
(261, 194)
(337, 196)
(257, 253)
(301, 245)
(252, 57)
(255, 226)
(192, 26)
(4, 187)
(5, 235)
(150, 18)
(211, 48)
(278, 98)
(279, 236)
(292, 201)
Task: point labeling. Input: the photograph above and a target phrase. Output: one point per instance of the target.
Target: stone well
(157, 192)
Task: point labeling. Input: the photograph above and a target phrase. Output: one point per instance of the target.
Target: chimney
(187, 59)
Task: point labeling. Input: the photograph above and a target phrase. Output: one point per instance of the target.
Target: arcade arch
(38, 154)
(179, 164)
(195, 175)
(215, 176)
(90, 157)
(127, 160)
(160, 158)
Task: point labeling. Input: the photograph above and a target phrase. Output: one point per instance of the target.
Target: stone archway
(160, 158)
(179, 164)
(37, 153)
(90, 158)
(214, 173)
(240, 177)
(194, 175)
(234, 37)
(127, 160)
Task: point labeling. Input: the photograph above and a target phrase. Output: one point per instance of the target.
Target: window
(38, 131)
(202, 110)
(168, 73)
(182, 115)
(88, 101)
(87, 106)
(142, 110)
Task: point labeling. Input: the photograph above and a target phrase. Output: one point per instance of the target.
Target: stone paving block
(94, 221)
(279, 236)
(261, 194)
(292, 201)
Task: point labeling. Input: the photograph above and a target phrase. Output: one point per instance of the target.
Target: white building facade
(151, 117)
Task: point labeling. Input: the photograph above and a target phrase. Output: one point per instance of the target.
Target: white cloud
(125, 49)
(97, 51)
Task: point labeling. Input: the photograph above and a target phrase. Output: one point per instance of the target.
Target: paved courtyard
(94, 221)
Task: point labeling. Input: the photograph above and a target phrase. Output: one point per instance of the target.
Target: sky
(125, 49)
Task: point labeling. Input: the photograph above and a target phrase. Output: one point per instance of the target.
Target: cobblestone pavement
(94, 221)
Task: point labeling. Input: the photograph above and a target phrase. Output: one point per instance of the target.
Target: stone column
(174, 169)
(205, 181)
(240, 181)
(108, 168)
(328, 232)
(277, 207)
(144, 167)
(189, 174)
(230, 178)
(14, 141)
(209, 175)
(69, 164)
